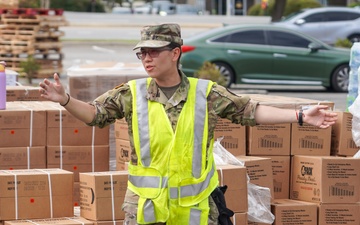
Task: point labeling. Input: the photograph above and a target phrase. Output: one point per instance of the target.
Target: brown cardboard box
(23, 93)
(236, 194)
(259, 170)
(325, 179)
(347, 214)
(82, 168)
(310, 140)
(76, 155)
(55, 221)
(293, 212)
(288, 102)
(23, 158)
(121, 129)
(239, 219)
(88, 81)
(102, 194)
(116, 222)
(22, 125)
(342, 142)
(35, 194)
(122, 152)
(281, 175)
(234, 136)
(76, 194)
(268, 139)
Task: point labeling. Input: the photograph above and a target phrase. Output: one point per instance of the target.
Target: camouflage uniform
(117, 103)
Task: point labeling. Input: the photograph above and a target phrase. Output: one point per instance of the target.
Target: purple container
(2, 86)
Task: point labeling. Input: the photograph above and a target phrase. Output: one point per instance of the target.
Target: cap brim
(151, 44)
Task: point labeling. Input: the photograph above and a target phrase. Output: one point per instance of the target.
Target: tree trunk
(278, 11)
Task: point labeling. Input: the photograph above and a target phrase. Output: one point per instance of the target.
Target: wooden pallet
(11, 34)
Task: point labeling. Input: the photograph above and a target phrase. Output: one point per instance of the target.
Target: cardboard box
(236, 194)
(58, 221)
(122, 152)
(76, 194)
(342, 142)
(22, 125)
(78, 159)
(268, 139)
(35, 194)
(121, 129)
(116, 222)
(65, 128)
(310, 140)
(281, 175)
(102, 195)
(325, 179)
(233, 136)
(239, 218)
(347, 214)
(88, 81)
(23, 158)
(23, 93)
(293, 212)
(259, 170)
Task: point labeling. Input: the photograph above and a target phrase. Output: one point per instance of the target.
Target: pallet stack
(28, 32)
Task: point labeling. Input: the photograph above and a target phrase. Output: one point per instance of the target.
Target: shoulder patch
(120, 85)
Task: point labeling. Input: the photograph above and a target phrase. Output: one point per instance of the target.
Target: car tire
(354, 38)
(227, 72)
(340, 78)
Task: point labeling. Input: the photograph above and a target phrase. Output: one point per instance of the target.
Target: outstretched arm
(55, 91)
(317, 115)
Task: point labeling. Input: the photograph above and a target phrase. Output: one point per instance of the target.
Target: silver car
(326, 23)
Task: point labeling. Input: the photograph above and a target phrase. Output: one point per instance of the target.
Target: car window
(340, 16)
(280, 38)
(315, 18)
(244, 37)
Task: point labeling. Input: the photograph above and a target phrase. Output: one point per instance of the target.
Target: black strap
(219, 198)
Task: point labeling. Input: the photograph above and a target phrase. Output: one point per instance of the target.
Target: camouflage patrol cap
(157, 36)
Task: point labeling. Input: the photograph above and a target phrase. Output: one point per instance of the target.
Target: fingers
(57, 78)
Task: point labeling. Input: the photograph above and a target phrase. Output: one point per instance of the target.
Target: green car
(266, 54)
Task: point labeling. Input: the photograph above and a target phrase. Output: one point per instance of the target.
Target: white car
(326, 23)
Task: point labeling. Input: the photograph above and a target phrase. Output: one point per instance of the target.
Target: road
(92, 37)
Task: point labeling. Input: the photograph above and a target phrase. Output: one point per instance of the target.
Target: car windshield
(290, 16)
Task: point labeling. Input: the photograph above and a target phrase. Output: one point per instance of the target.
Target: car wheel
(340, 78)
(354, 38)
(227, 72)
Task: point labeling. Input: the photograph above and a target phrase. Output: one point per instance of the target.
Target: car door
(312, 25)
(294, 62)
(249, 55)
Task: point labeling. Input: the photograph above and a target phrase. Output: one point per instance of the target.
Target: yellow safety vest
(175, 174)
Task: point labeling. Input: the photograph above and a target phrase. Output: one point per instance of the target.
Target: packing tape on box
(50, 192)
(31, 134)
(222, 177)
(112, 198)
(60, 135)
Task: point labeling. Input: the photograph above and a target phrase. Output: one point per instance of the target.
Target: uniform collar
(154, 93)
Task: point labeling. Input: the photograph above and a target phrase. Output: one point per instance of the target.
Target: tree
(279, 8)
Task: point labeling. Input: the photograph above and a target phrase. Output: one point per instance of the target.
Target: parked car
(187, 9)
(161, 7)
(121, 10)
(328, 24)
(267, 54)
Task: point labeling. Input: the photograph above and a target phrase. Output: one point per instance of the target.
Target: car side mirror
(314, 47)
(300, 22)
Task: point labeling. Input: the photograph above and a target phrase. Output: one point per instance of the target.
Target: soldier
(171, 122)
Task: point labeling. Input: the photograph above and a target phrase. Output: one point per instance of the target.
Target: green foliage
(291, 7)
(295, 5)
(344, 43)
(30, 67)
(29, 3)
(354, 4)
(209, 71)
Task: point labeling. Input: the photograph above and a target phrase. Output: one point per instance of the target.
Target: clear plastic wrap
(259, 198)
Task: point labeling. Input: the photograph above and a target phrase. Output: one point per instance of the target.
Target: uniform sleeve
(112, 105)
(238, 109)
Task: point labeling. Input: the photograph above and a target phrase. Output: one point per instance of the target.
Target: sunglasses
(153, 52)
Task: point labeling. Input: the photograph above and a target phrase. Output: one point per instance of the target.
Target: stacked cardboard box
(36, 194)
(22, 137)
(102, 195)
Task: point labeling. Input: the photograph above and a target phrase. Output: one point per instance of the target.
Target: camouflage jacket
(117, 104)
